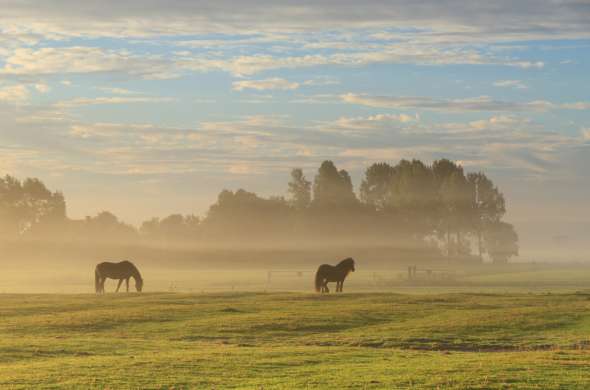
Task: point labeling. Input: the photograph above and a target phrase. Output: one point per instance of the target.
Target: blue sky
(147, 108)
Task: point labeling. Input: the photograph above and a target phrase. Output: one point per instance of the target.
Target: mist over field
(448, 223)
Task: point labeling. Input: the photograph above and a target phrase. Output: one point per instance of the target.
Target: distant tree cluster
(28, 206)
(408, 203)
(441, 200)
(434, 206)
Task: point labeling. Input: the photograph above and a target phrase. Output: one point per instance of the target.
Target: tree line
(438, 207)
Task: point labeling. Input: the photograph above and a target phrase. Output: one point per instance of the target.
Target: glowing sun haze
(146, 108)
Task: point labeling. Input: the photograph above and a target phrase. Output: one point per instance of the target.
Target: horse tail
(97, 280)
(319, 280)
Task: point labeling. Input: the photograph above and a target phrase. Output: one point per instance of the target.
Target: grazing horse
(122, 271)
(329, 273)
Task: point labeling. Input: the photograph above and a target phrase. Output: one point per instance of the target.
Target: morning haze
(261, 194)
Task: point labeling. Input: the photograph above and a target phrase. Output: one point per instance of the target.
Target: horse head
(138, 284)
(348, 263)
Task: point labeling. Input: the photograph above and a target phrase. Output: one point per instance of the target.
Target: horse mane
(345, 262)
(136, 273)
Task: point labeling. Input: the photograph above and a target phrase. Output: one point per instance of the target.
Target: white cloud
(500, 121)
(510, 84)
(317, 99)
(365, 126)
(576, 106)
(243, 169)
(42, 88)
(266, 84)
(321, 81)
(249, 65)
(399, 53)
(111, 100)
(64, 60)
(14, 93)
(117, 91)
(93, 130)
(528, 64)
(481, 103)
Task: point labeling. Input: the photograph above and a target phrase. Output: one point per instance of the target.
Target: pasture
(257, 340)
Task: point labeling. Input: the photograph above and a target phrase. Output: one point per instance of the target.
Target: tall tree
(488, 205)
(454, 204)
(414, 196)
(501, 241)
(377, 187)
(299, 189)
(332, 187)
(26, 206)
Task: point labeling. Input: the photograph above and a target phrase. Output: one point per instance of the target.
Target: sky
(147, 108)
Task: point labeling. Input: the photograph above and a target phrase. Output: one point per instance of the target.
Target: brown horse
(122, 271)
(329, 273)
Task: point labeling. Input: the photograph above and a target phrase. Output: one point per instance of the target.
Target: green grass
(295, 340)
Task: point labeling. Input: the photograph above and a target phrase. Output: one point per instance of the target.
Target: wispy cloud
(481, 103)
(78, 102)
(14, 93)
(42, 88)
(117, 91)
(366, 126)
(321, 81)
(401, 53)
(576, 106)
(275, 83)
(77, 59)
(510, 84)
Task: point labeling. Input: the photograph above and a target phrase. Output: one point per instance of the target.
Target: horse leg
(127, 284)
(119, 285)
(341, 285)
(101, 285)
(327, 290)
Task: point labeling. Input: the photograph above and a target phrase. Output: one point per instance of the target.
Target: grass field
(295, 340)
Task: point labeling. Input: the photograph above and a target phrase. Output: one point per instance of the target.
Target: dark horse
(122, 271)
(329, 273)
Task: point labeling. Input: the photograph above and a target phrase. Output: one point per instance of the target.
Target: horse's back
(106, 265)
(115, 270)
